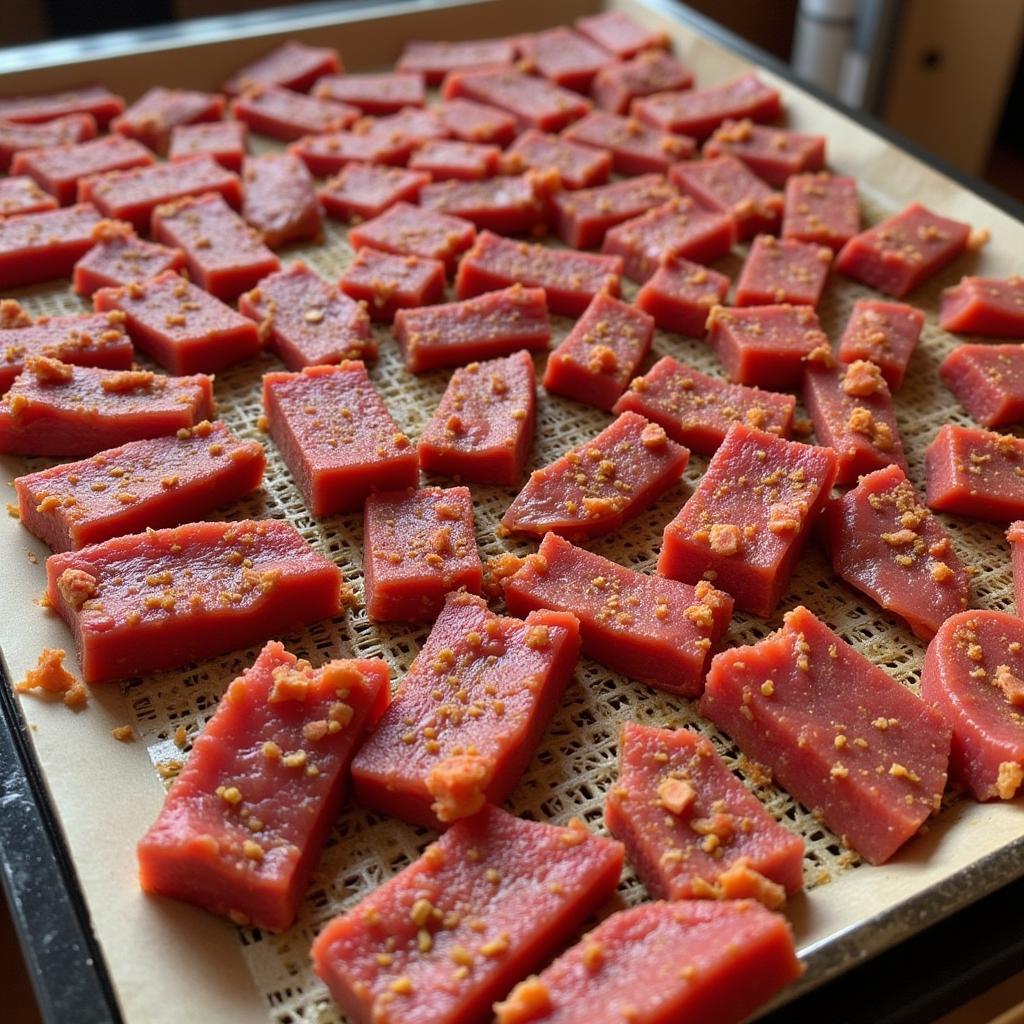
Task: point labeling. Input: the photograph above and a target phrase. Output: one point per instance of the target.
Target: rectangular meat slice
(975, 473)
(134, 195)
(821, 208)
(691, 829)
(773, 154)
(37, 247)
(973, 674)
(387, 283)
(336, 436)
(95, 100)
(418, 546)
(765, 346)
(886, 333)
(661, 963)
(648, 628)
(852, 412)
(483, 428)
(153, 115)
(582, 218)
(577, 166)
(508, 204)
(446, 159)
(283, 114)
(160, 599)
(243, 824)
(56, 409)
(182, 327)
(727, 185)
(678, 229)
(988, 381)
(375, 94)
(636, 148)
(223, 254)
(533, 102)
(22, 194)
(59, 168)
(990, 306)
(490, 325)
(363, 191)
(82, 339)
(563, 57)
(476, 122)
(596, 360)
(749, 518)
(697, 411)
(61, 131)
(280, 199)
(886, 543)
(680, 293)
(404, 229)
(569, 279)
(491, 900)
(617, 84)
(599, 485)
(291, 65)
(328, 153)
(307, 321)
(619, 34)
(469, 713)
(417, 125)
(903, 251)
(699, 112)
(160, 481)
(783, 271)
(225, 141)
(835, 731)
(434, 60)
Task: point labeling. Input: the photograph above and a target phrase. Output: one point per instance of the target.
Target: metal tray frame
(965, 929)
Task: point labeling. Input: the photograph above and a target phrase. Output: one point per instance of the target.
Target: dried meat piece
(407, 230)
(583, 217)
(37, 247)
(884, 333)
(476, 122)
(563, 57)
(364, 191)
(680, 294)
(988, 381)
(727, 185)
(153, 115)
(287, 115)
(507, 205)
(22, 194)
(434, 60)
(386, 283)
(616, 85)
(577, 166)
(618, 33)
(225, 141)
(328, 153)
(446, 159)
(280, 199)
(773, 154)
(990, 306)
(120, 257)
(821, 208)
(381, 93)
(782, 271)
(61, 131)
(292, 65)
(976, 473)
(636, 148)
(96, 101)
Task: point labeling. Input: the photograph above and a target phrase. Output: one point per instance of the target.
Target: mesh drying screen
(575, 764)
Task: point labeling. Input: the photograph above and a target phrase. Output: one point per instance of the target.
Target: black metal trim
(67, 970)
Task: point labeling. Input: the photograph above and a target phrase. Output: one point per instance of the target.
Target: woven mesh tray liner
(576, 762)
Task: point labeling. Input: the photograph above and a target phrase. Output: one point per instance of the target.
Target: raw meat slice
(493, 898)
(407, 230)
(283, 114)
(97, 101)
(134, 195)
(661, 963)
(23, 195)
(469, 713)
(616, 85)
(329, 153)
(569, 279)
(375, 93)
(61, 131)
(434, 60)
(636, 148)
(773, 154)
(727, 185)
(307, 321)
(749, 518)
(363, 191)
(903, 251)
(602, 483)
(989, 306)
(596, 360)
(38, 247)
(765, 346)
(577, 166)
(163, 598)
(699, 112)
(508, 204)
(336, 436)
(697, 411)
(483, 428)
(888, 545)
(57, 409)
(224, 255)
(783, 271)
(182, 327)
(691, 829)
(680, 294)
(280, 199)
(821, 208)
(493, 324)
(418, 546)
(619, 34)
(292, 65)
(988, 381)
(152, 116)
(387, 283)
(563, 57)
(476, 122)
(885, 333)
(582, 217)
(835, 731)
(445, 159)
(975, 473)
(160, 481)
(648, 628)
(225, 141)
